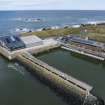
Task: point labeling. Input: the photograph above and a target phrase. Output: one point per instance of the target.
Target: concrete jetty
(60, 79)
(82, 53)
(69, 78)
(83, 46)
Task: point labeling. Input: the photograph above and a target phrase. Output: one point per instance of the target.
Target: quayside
(59, 79)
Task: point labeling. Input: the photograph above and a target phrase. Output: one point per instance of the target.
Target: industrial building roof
(11, 42)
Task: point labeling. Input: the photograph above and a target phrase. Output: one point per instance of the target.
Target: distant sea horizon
(9, 18)
(55, 10)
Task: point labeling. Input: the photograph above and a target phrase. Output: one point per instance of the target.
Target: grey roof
(12, 42)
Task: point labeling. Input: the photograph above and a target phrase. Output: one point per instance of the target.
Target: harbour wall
(58, 79)
(82, 53)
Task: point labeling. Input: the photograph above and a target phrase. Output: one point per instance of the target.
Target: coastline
(92, 31)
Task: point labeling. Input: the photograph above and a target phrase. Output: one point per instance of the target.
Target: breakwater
(59, 79)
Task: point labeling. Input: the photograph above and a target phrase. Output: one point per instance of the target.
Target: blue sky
(52, 4)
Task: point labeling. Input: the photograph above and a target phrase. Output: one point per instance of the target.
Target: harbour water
(19, 87)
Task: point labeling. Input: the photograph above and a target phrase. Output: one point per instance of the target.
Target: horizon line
(55, 10)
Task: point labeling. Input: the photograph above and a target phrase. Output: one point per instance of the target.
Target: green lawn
(93, 32)
(54, 32)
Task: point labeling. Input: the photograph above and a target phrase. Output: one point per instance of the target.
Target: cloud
(51, 4)
(30, 4)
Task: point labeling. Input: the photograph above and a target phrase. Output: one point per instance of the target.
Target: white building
(31, 41)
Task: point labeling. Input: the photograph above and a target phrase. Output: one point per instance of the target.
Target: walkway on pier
(69, 81)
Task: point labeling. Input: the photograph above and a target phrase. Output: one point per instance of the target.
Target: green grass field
(54, 32)
(95, 32)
